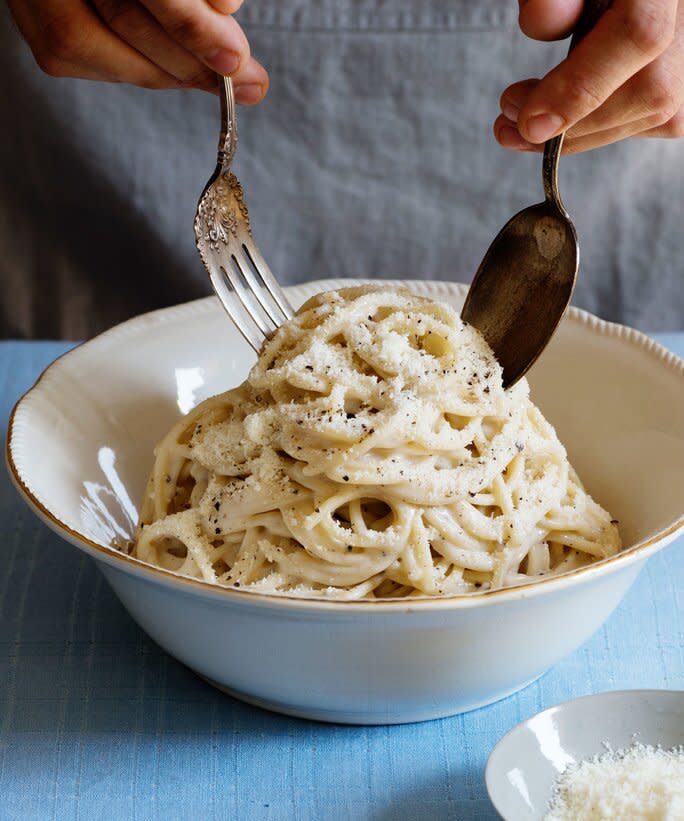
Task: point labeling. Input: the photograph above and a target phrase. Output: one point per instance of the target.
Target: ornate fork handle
(228, 137)
(222, 202)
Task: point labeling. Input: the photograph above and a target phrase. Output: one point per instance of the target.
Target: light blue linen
(96, 722)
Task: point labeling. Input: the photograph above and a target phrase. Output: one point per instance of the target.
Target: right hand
(149, 43)
(625, 79)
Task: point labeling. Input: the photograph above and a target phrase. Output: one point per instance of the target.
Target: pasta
(371, 453)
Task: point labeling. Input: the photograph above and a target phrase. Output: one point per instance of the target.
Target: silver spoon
(526, 279)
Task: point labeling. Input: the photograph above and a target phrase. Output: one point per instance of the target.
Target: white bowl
(80, 448)
(524, 765)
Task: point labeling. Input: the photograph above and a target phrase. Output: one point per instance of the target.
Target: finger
(630, 35)
(673, 129)
(74, 42)
(508, 139)
(137, 27)
(602, 138)
(549, 19)
(515, 97)
(654, 94)
(251, 83)
(215, 39)
(508, 136)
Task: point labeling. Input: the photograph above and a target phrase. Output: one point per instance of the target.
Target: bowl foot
(369, 718)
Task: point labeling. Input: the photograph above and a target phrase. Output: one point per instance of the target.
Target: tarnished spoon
(526, 279)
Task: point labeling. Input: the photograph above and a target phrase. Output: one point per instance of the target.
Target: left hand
(624, 79)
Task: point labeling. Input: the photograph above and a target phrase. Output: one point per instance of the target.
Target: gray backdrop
(373, 156)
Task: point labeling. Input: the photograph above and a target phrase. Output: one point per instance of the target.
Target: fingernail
(509, 137)
(224, 61)
(543, 126)
(249, 93)
(510, 111)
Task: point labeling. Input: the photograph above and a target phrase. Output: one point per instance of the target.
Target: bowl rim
(657, 692)
(635, 553)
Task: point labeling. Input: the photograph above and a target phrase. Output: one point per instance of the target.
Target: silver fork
(241, 278)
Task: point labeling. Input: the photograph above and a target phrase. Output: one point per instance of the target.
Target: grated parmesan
(641, 783)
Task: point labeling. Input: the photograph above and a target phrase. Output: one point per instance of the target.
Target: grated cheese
(641, 783)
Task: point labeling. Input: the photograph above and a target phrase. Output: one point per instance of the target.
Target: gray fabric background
(373, 156)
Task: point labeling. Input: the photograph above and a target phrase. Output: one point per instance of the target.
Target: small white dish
(80, 448)
(524, 765)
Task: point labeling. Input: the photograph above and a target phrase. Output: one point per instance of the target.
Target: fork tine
(245, 294)
(270, 282)
(269, 307)
(228, 298)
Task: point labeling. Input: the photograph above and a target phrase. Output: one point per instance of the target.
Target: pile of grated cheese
(640, 783)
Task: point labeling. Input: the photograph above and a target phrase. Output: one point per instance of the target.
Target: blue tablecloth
(96, 722)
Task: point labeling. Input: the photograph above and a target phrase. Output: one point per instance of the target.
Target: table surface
(96, 722)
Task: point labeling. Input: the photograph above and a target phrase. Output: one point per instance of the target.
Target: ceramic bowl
(80, 448)
(524, 765)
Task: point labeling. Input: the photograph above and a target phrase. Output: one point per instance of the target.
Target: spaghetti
(372, 452)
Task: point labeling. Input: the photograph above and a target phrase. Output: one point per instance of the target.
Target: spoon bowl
(523, 286)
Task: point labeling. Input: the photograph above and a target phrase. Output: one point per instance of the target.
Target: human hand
(624, 79)
(149, 43)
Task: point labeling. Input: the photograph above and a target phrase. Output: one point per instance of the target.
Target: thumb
(549, 19)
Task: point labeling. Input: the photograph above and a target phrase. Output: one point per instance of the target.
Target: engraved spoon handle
(593, 10)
